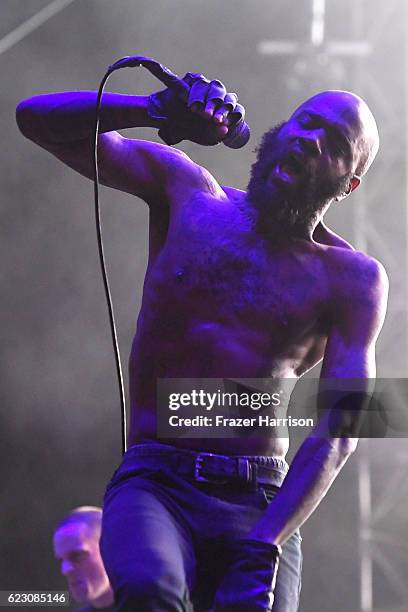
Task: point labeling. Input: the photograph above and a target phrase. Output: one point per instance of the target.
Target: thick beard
(284, 209)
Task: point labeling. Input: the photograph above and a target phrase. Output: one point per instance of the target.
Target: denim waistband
(156, 449)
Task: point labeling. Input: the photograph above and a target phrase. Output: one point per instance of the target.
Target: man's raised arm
(63, 124)
(59, 118)
(358, 314)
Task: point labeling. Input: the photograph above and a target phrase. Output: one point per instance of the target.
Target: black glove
(182, 123)
(249, 581)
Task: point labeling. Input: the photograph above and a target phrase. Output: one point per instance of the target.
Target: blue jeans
(164, 536)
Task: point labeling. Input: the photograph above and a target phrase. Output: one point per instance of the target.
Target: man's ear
(354, 183)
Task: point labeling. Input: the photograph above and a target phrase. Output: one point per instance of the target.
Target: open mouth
(291, 165)
(290, 168)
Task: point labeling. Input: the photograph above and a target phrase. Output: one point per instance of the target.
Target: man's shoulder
(355, 275)
(233, 193)
(186, 176)
(356, 264)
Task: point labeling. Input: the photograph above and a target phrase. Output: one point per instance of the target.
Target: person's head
(76, 546)
(319, 154)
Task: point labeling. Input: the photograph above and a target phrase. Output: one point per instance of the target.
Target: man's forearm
(315, 466)
(70, 116)
(343, 405)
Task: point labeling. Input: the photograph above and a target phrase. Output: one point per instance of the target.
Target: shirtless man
(242, 284)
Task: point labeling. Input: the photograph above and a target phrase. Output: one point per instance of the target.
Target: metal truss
(381, 229)
(382, 552)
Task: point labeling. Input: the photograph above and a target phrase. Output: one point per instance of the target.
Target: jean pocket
(124, 473)
(268, 493)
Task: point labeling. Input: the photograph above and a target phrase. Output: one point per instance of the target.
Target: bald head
(91, 516)
(354, 110)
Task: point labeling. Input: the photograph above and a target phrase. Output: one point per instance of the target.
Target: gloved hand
(204, 118)
(249, 581)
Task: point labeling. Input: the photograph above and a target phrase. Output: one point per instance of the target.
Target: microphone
(238, 135)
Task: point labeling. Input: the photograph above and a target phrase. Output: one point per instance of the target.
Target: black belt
(222, 469)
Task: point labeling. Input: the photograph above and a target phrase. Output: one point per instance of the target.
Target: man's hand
(204, 118)
(249, 582)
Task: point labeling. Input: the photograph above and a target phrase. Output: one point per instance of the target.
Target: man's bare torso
(221, 301)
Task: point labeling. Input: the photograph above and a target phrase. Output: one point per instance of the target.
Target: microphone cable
(102, 262)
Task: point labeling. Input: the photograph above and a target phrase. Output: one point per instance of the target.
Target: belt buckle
(199, 466)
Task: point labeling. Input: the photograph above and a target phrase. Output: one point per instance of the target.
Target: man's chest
(211, 263)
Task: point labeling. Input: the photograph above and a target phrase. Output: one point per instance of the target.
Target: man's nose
(66, 568)
(310, 144)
